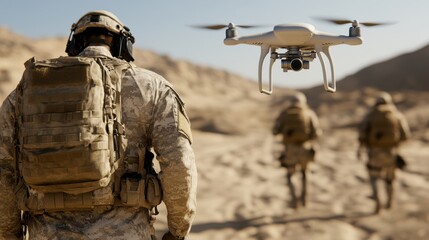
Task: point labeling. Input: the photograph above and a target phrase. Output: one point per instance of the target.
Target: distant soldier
(381, 132)
(299, 126)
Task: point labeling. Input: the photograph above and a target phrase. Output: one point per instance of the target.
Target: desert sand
(242, 192)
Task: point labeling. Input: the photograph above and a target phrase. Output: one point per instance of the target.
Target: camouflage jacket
(314, 131)
(154, 116)
(364, 127)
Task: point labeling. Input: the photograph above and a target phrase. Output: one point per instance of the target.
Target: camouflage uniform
(154, 116)
(382, 160)
(382, 163)
(298, 155)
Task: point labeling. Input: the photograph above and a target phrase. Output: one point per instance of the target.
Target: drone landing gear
(264, 51)
(328, 87)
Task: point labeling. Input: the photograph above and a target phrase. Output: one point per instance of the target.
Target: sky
(165, 27)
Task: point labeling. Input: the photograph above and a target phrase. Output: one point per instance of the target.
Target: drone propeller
(221, 26)
(354, 22)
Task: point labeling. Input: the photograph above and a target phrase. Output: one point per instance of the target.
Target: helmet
(122, 42)
(298, 99)
(384, 98)
(98, 19)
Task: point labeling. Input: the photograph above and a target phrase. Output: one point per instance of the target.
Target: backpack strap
(112, 77)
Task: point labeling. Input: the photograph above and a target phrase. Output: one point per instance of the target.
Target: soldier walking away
(381, 132)
(299, 127)
(78, 136)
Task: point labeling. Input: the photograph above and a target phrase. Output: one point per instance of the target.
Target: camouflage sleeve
(10, 223)
(171, 139)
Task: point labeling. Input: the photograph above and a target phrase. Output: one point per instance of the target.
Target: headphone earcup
(126, 49)
(74, 46)
(70, 46)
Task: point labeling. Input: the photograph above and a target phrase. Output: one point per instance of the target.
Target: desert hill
(242, 189)
(407, 71)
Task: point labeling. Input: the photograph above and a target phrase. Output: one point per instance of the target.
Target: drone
(302, 43)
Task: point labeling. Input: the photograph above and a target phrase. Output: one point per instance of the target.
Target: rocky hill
(406, 72)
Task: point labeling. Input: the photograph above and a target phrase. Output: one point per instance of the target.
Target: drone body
(301, 35)
(302, 44)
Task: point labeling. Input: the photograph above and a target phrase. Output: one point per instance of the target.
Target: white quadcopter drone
(302, 43)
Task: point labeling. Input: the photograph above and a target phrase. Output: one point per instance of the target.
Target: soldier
(299, 127)
(381, 132)
(154, 118)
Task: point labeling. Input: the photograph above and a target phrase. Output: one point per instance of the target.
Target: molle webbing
(384, 129)
(59, 201)
(61, 116)
(296, 125)
(54, 201)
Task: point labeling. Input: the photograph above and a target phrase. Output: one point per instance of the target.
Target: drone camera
(295, 64)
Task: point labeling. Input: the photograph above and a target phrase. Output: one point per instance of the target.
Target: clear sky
(164, 27)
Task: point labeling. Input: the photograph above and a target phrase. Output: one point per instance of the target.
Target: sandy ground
(243, 194)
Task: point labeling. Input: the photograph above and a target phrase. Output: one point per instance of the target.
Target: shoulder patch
(184, 125)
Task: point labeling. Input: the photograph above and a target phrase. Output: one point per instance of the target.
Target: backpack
(383, 127)
(296, 127)
(70, 134)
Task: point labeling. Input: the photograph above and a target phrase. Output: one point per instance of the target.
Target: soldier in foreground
(76, 144)
(299, 127)
(381, 132)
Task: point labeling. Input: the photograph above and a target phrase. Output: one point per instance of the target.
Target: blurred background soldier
(381, 132)
(299, 126)
(117, 207)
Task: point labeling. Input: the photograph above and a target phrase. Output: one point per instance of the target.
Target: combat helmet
(298, 99)
(122, 46)
(384, 98)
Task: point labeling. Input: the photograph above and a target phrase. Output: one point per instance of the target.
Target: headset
(122, 46)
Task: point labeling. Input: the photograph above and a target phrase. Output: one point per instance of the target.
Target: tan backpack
(383, 128)
(296, 125)
(69, 123)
